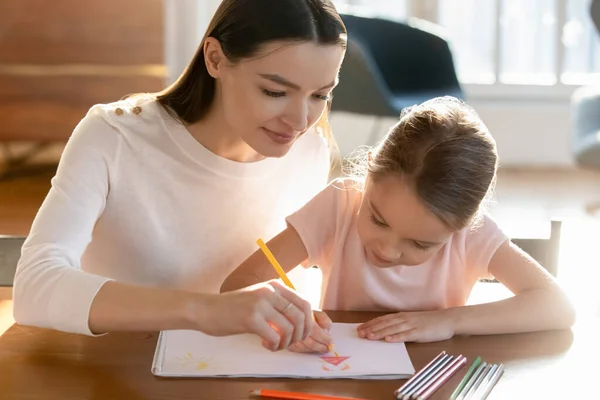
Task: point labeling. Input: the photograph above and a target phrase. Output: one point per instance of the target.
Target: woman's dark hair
(242, 27)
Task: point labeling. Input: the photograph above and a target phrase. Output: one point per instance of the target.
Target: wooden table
(42, 364)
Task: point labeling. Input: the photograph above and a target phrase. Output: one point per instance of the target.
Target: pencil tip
(255, 393)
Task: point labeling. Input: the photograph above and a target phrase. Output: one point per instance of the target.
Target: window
(392, 9)
(582, 44)
(473, 53)
(508, 42)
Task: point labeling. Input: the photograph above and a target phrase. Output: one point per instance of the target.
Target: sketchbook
(185, 353)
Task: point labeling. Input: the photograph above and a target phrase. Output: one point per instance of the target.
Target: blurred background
(531, 68)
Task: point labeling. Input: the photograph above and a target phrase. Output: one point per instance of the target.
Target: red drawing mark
(334, 360)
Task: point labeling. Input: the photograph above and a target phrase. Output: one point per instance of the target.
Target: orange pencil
(297, 396)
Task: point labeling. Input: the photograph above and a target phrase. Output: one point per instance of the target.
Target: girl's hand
(270, 310)
(319, 338)
(416, 326)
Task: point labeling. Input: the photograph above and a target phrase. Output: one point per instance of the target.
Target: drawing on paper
(196, 363)
(335, 363)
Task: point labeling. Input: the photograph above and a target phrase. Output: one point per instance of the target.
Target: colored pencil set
(477, 383)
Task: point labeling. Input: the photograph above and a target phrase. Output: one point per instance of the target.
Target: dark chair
(10, 252)
(391, 65)
(595, 14)
(544, 251)
(585, 105)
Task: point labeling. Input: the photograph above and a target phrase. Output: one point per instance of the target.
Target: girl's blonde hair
(323, 128)
(445, 152)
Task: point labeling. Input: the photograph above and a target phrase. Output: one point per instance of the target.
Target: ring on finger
(286, 308)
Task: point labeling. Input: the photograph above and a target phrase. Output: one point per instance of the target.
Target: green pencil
(464, 381)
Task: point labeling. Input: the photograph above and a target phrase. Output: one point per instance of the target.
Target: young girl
(411, 238)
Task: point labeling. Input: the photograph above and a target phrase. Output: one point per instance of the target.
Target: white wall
(528, 133)
(535, 134)
(185, 24)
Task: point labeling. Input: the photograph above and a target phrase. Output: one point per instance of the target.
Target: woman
(158, 197)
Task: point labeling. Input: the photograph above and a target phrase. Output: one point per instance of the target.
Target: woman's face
(272, 99)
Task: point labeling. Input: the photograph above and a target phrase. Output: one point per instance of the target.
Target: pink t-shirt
(327, 226)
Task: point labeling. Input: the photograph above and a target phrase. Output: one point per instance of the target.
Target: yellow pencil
(275, 264)
(282, 274)
(331, 349)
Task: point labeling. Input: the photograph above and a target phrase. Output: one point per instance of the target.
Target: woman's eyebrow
(283, 81)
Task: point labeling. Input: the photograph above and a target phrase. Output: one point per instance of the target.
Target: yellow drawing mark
(201, 365)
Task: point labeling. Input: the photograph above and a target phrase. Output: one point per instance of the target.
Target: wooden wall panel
(121, 32)
(60, 57)
(48, 108)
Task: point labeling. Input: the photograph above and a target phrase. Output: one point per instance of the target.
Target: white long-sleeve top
(138, 200)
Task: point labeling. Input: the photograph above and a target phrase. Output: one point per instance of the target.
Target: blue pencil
(486, 379)
(471, 381)
(475, 386)
(492, 383)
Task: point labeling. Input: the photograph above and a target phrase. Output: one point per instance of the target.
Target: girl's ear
(369, 157)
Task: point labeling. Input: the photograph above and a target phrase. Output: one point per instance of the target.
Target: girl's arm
(539, 303)
(289, 251)
(310, 231)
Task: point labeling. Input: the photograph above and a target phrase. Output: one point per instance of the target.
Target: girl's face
(395, 227)
(272, 99)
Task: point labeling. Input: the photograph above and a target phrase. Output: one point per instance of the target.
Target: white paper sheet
(194, 354)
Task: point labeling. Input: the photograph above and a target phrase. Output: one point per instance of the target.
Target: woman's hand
(270, 310)
(319, 339)
(416, 326)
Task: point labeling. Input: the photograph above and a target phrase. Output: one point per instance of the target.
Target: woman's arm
(50, 288)
(123, 307)
(52, 291)
(120, 307)
(539, 303)
(288, 249)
